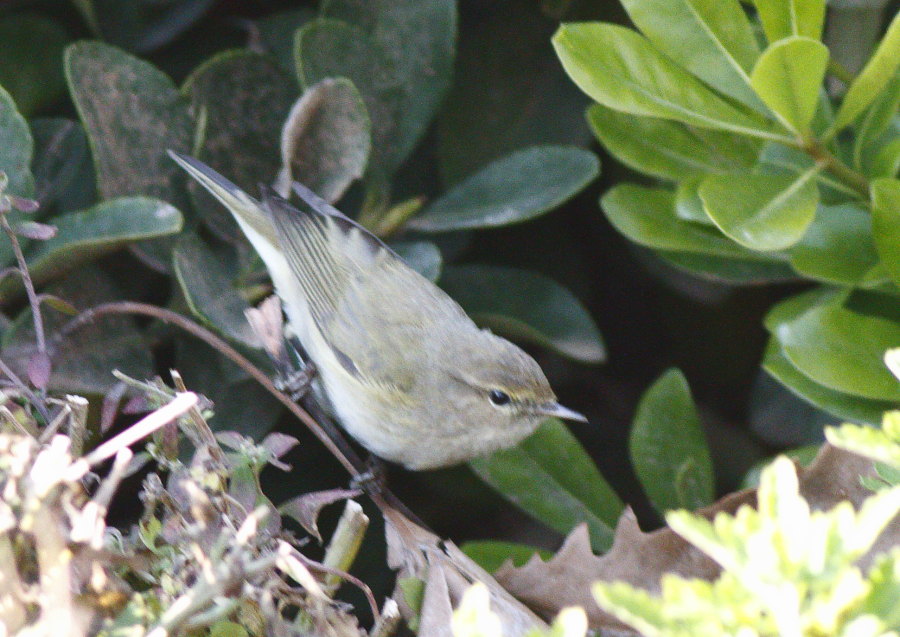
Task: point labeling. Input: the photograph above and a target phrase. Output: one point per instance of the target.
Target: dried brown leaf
(305, 508)
(39, 368)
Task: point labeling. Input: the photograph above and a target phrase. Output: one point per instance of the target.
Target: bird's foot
(296, 383)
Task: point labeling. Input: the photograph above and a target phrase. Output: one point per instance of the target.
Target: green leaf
(712, 39)
(326, 141)
(508, 92)
(620, 69)
(16, 147)
(873, 78)
(528, 306)
(550, 476)
(242, 98)
(510, 190)
(423, 64)
(788, 77)
(784, 18)
(330, 48)
(276, 34)
(31, 48)
(202, 276)
(870, 129)
(688, 205)
(132, 113)
(663, 148)
(886, 224)
(63, 173)
(422, 256)
(837, 247)
(779, 159)
(89, 234)
(668, 447)
(84, 360)
(730, 271)
(491, 554)
(761, 212)
(647, 216)
(842, 350)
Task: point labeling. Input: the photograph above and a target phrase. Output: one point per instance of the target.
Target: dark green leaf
(491, 554)
(277, 31)
(668, 447)
(331, 48)
(842, 350)
(83, 362)
(89, 234)
(243, 99)
(209, 293)
(423, 63)
(508, 92)
(550, 476)
(873, 78)
(837, 246)
(840, 404)
(527, 306)
(326, 140)
(784, 18)
(761, 212)
(668, 149)
(16, 148)
(62, 168)
(731, 271)
(712, 39)
(422, 256)
(622, 70)
(132, 113)
(788, 78)
(870, 129)
(780, 418)
(516, 188)
(886, 224)
(31, 48)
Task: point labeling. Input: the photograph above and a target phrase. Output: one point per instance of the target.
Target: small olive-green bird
(407, 372)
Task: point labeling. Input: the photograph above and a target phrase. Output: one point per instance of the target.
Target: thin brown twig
(25, 389)
(29, 286)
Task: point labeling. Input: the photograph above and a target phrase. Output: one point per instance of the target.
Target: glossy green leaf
(761, 212)
(31, 48)
(663, 148)
(622, 70)
(141, 25)
(550, 476)
(422, 256)
(209, 293)
(886, 224)
(508, 91)
(779, 159)
(886, 162)
(788, 77)
(516, 188)
(132, 113)
(793, 307)
(712, 39)
(842, 350)
(668, 448)
(63, 172)
(331, 48)
(647, 216)
(837, 247)
(873, 78)
(326, 141)
(83, 361)
(870, 129)
(16, 147)
(688, 205)
(491, 554)
(242, 99)
(89, 234)
(731, 271)
(423, 63)
(842, 405)
(783, 18)
(527, 306)
(780, 418)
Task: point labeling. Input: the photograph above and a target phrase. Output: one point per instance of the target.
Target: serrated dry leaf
(642, 558)
(305, 508)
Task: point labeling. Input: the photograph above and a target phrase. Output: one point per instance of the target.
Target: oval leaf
(39, 368)
(325, 141)
(526, 305)
(35, 230)
(513, 189)
(622, 70)
(788, 78)
(668, 448)
(730, 271)
(16, 147)
(422, 256)
(886, 224)
(62, 168)
(30, 47)
(783, 18)
(761, 212)
(550, 476)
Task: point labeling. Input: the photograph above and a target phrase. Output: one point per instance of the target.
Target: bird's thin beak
(558, 411)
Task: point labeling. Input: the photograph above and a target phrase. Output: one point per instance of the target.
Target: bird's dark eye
(498, 397)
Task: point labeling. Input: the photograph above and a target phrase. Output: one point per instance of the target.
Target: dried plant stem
(345, 543)
(26, 390)
(29, 286)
